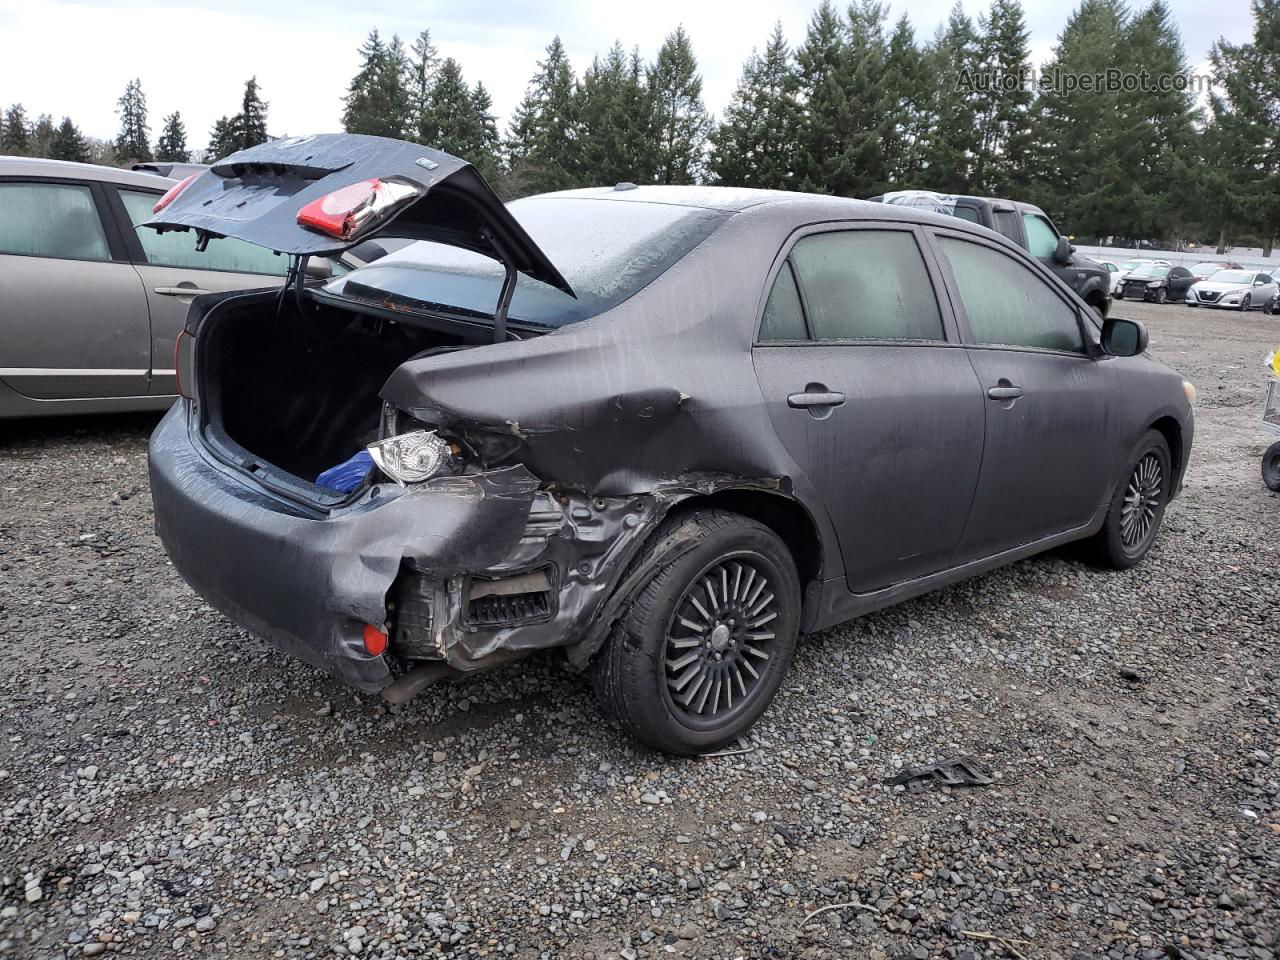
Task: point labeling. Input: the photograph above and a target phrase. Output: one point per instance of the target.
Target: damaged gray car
(667, 429)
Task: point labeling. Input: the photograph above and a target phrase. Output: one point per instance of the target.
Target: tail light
(375, 641)
(184, 364)
(172, 193)
(354, 210)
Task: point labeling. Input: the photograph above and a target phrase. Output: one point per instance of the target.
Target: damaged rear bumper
(469, 571)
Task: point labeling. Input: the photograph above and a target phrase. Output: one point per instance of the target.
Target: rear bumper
(310, 585)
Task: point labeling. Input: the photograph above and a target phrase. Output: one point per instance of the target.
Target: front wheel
(1271, 467)
(1137, 507)
(702, 649)
(1162, 295)
(1245, 303)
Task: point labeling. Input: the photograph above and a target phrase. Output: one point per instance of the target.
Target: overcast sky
(72, 58)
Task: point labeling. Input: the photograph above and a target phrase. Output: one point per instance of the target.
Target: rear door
(174, 273)
(870, 390)
(74, 313)
(1051, 422)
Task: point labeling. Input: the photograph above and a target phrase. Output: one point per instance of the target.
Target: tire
(1123, 542)
(1271, 467)
(1162, 295)
(1246, 303)
(675, 618)
(1119, 295)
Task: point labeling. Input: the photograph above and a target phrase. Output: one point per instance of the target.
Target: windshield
(607, 250)
(1206, 269)
(1149, 270)
(1232, 276)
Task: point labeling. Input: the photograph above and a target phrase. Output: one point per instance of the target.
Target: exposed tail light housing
(172, 193)
(184, 364)
(375, 641)
(351, 212)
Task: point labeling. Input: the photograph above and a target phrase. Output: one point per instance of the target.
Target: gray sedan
(665, 429)
(92, 306)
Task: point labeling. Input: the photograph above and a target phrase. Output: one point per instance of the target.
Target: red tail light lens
(172, 193)
(356, 209)
(184, 366)
(375, 641)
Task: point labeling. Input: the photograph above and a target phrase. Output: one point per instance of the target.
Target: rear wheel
(1271, 467)
(702, 649)
(1137, 507)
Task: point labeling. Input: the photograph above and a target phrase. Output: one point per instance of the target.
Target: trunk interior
(298, 392)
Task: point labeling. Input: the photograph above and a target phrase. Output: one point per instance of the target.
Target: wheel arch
(1171, 430)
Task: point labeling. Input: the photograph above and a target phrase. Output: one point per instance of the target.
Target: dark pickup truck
(1026, 225)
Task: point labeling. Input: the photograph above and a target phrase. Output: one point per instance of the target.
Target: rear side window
(1007, 223)
(178, 249)
(1042, 239)
(866, 285)
(783, 315)
(1006, 303)
(58, 220)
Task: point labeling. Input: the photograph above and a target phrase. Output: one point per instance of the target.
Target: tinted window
(178, 249)
(51, 220)
(607, 249)
(967, 213)
(866, 285)
(1042, 239)
(1007, 223)
(1006, 303)
(1263, 278)
(783, 315)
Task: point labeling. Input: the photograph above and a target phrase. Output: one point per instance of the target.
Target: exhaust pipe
(417, 680)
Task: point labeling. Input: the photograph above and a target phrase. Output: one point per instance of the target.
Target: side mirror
(1062, 254)
(319, 268)
(1123, 338)
(1259, 283)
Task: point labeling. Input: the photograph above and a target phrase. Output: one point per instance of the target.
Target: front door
(1051, 431)
(874, 398)
(74, 314)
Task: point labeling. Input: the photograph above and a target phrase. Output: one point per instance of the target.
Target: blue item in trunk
(348, 475)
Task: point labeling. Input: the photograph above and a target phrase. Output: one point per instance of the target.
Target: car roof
(65, 169)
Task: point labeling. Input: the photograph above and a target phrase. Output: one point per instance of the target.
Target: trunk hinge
(508, 285)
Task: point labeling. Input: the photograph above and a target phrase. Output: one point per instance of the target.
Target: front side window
(783, 315)
(176, 248)
(1042, 239)
(1007, 303)
(866, 285)
(58, 220)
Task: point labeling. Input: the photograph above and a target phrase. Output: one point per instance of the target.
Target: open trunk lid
(256, 195)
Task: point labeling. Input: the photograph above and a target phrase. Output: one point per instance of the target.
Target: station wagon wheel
(1137, 506)
(701, 649)
(719, 641)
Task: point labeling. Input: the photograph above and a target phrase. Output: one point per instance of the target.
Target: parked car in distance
(1128, 267)
(1233, 289)
(1030, 228)
(1157, 283)
(1207, 268)
(667, 429)
(1113, 275)
(92, 306)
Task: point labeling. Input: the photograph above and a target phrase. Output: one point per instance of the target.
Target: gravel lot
(169, 786)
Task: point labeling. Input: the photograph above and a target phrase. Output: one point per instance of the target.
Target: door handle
(181, 291)
(1006, 391)
(828, 398)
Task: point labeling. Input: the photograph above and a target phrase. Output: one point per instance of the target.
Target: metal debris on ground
(957, 772)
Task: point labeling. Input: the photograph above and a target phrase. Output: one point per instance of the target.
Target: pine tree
(15, 135)
(753, 146)
(452, 122)
(681, 123)
(909, 86)
(423, 62)
(947, 150)
(68, 144)
(251, 122)
(820, 137)
(543, 140)
(1003, 104)
(223, 140)
(870, 102)
(379, 102)
(134, 140)
(42, 136)
(616, 117)
(172, 145)
(488, 156)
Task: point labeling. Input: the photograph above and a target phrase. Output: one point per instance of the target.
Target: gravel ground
(168, 786)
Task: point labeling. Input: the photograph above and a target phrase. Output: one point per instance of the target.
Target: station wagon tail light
(351, 212)
(172, 193)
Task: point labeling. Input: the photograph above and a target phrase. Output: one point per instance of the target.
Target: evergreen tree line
(21, 136)
(859, 107)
